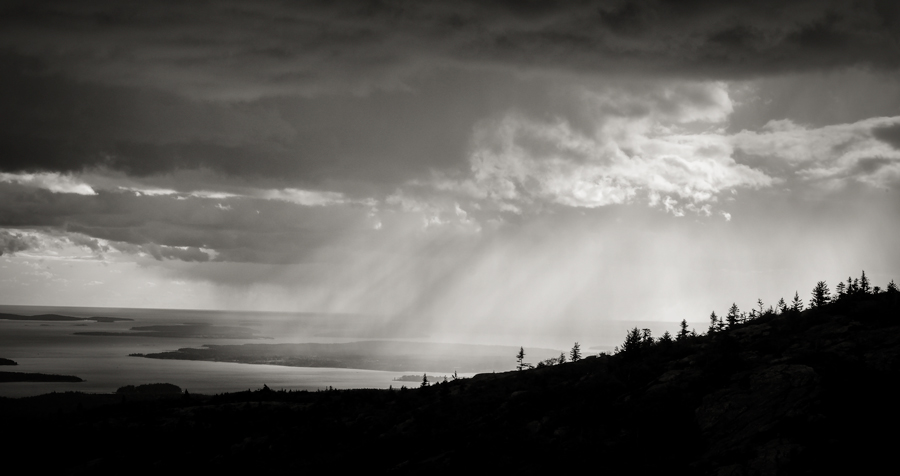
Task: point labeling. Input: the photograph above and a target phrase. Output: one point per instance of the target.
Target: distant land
(8, 377)
(58, 317)
(8, 362)
(368, 355)
(204, 331)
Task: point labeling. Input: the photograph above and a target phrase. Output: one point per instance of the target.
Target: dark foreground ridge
(800, 392)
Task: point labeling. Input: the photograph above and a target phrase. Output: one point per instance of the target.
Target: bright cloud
(307, 198)
(54, 182)
(831, 153)
(640, 147)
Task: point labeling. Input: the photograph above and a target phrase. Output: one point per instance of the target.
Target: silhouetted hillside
(8, 362)
(800, 392)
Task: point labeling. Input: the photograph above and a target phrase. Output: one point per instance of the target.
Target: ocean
(103, 361)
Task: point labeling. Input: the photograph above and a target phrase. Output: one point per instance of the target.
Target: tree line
(637, 339)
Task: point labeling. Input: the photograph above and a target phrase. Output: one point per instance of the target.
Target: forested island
(803, 388)
(9, 377)
(183, 331)
(59, 318)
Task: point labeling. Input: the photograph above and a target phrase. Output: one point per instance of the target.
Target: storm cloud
(481, 158)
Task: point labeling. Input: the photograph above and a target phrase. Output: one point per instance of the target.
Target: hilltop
(786, 391)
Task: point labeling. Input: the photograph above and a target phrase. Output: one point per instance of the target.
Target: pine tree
(892, 288)
(733, 315)
(713, 323)
(683, 332)
(796, 304)
(632, 341)
(520, 359)
(575, 354)
(424, 381)
(820, 295)
(666, 338)
(864, 283)
(561, 359)
(840, 289)
(782, 306)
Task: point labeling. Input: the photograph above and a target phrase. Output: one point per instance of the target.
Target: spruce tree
(632, 342)
(892, 288)
(575, 354)
(864, 284)
(733, 315)
(820, 295)
(683, 332)
(840, 289)
(561, 359)
(796, 304)
(782, 306)
(713, 323)
(520, 359)
(424, 381)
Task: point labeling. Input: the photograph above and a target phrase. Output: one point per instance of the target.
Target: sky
(490, 168)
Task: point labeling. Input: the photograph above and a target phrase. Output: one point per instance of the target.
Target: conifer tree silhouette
(666, 338)
(425, 381)
(840, 289)
(796, 304)
(733, 315)
(520, 360)
(892, 288)
(683, 332)
(782, 306)
(820, 295)
(575, 353)
(864, 284)
(713, 323)
(633, 341)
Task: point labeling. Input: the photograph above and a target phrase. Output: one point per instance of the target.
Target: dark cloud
(889, 134)
(165, 227)
(249, 50)
(13, 242)
(373, 92)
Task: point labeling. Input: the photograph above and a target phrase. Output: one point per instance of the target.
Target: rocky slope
(798, 393)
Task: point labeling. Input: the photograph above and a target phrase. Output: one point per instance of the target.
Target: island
(8, 362)
(9, 377)
(59, 318)
(182, 331)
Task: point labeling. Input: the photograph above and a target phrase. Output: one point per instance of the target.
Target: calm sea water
(104, 364)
